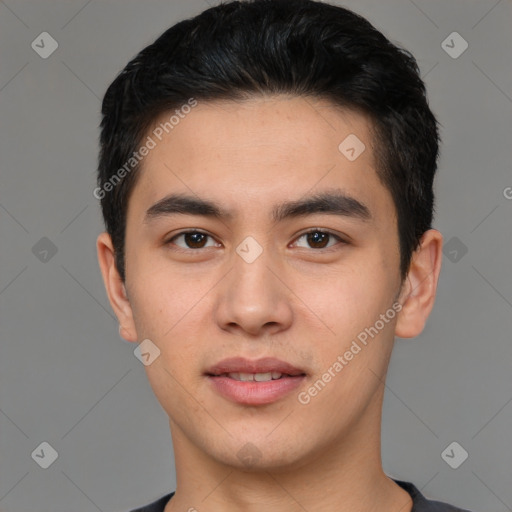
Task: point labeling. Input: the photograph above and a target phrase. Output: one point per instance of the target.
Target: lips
(240, 365)
(253, 383)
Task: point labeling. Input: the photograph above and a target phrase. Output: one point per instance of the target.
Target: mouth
(256, 377)
(258, 382)
(267, 368)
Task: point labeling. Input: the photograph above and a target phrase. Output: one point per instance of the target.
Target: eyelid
(340, 238)
(168, 241)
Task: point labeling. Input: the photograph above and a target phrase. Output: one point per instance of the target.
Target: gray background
(67, 378)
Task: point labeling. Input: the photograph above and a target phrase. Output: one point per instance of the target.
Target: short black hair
(239, 50)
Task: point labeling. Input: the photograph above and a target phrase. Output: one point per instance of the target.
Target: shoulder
(422, 504)
(156, 506)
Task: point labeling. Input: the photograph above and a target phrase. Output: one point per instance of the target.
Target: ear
(419, 289)
(116, 290)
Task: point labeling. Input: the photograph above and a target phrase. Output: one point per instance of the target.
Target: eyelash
(324, 232)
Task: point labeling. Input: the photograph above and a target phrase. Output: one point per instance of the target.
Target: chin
(254, 457)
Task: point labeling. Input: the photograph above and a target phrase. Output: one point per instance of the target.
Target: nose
(253, 297)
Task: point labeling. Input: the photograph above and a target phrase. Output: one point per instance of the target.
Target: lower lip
(252, 392)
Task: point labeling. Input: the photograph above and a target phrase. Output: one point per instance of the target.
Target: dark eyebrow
(329, 202)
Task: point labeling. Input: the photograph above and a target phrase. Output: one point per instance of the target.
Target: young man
(265, 177)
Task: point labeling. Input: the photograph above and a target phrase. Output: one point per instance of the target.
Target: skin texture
(298, 302)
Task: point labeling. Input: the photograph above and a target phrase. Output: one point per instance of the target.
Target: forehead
(260, 150)
(293, 127)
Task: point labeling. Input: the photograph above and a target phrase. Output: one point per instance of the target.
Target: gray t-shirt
(420, 503)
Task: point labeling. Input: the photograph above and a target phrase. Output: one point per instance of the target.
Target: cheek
(161, 298)
(349, 300)
(351, 305)
(173, 315)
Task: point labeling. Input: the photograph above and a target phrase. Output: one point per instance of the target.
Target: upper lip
(264, 365)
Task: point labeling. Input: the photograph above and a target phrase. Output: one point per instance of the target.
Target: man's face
(304, 299)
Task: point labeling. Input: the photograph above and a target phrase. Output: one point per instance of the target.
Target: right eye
(192, 239)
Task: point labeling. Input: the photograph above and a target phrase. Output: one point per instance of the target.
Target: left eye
(318, 238)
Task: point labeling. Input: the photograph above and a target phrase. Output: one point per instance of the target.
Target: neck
(343, 477)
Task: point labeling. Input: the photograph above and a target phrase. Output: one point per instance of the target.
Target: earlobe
(419, 291)
(115, 288)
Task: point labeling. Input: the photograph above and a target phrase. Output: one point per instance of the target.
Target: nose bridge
(251, 274)
(252, 296)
